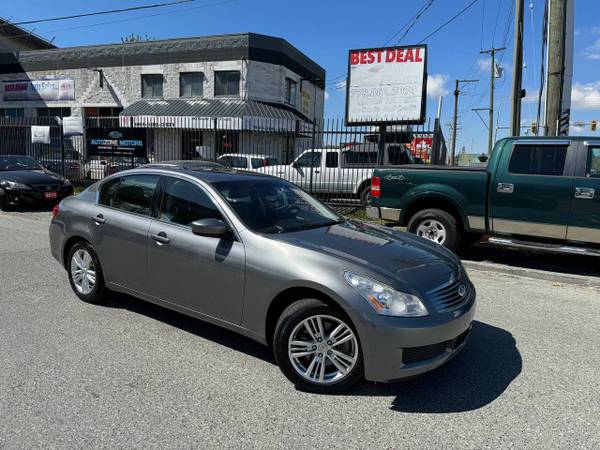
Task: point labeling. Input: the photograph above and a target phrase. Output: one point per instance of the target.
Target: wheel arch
(434, 202)
(291, 295)
(69, 243)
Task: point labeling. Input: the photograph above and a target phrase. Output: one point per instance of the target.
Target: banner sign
(117, 142)
(72, 126)
(386, 85)
(48, 90)
(40, 134)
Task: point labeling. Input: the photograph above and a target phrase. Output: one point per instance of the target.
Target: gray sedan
(337, 300)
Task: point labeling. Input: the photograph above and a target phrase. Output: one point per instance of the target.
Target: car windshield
(18, 163)
(273, 206)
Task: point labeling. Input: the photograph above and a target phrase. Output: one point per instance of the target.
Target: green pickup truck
(534, 192)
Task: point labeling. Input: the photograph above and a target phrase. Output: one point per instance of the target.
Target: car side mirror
(294, 164)
(102, 162)
(209, 228)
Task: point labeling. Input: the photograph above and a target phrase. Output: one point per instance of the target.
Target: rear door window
(538, 160)
(135, 194)
(331, 160)
(107, 192)
(593, 167)
(184, 202)
(362, 158)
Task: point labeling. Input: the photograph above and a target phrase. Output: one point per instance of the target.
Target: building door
(227, 142)
(191, 142)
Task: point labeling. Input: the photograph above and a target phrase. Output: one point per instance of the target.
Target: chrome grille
(46, 187)
(452, 294)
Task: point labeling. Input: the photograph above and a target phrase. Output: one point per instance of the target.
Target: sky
(326, 29)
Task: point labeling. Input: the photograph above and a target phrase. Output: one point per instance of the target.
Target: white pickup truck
(345, 172)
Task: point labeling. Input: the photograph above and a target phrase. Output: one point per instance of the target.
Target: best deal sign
(386, 85)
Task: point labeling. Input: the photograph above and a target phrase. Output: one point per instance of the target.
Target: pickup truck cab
(534, 192)
(345, 172)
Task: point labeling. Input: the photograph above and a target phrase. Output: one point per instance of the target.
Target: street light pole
(492, 52)
(455, 118)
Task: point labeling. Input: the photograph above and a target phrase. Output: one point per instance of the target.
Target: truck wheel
(437, 226)
(365, 194)
(3, 201)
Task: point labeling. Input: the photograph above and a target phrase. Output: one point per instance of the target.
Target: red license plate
(49, 195)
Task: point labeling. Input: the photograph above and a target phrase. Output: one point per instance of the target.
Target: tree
(135, 37)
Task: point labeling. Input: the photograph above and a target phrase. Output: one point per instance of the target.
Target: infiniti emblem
(462, 290)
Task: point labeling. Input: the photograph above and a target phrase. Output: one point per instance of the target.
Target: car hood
(407, 260)
(30, 176)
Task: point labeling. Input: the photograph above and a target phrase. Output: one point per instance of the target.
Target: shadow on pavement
(528, 259)
(192, 325)
(474, 378)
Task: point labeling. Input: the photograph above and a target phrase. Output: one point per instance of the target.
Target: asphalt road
(130, 374)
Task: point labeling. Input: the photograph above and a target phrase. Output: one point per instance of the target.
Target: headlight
(386, 300)
(14, 185)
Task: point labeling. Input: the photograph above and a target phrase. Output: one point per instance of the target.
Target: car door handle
(505, 188)
(99, 219)
(585, 193)
(317, 171)
(161, 238)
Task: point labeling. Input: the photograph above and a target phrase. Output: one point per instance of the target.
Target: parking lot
(131, 374)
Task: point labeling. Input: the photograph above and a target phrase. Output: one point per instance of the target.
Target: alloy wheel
(433, 230)
(323, 349)
(83, 271)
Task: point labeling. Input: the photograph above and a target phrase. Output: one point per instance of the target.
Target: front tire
(85, 273)
(317, 347)
(3, 201)
(436, 225)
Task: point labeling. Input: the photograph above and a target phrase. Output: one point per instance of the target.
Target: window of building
(12, 112)
(134, 193)
(190, 84)
(290, 91)
(152, 85)
(54, 112)
(184, 203)
(538, 160)
(227, 83)
(594, 162)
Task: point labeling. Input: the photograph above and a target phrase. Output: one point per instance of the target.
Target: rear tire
(85, 273)
(437, 226)
(333, 359)
(365, 194)
(3, 202)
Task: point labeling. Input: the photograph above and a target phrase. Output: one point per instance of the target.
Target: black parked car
(23, 181)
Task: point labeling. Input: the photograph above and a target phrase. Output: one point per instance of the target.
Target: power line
(99, 13)
(78, 27)
(458, 14)
(425, 5)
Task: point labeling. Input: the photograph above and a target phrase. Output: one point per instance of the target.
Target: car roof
(208, 174)
(251, 155)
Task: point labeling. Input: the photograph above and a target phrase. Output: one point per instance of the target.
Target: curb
(578, 280)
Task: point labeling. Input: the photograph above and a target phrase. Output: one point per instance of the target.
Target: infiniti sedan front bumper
(395, 348)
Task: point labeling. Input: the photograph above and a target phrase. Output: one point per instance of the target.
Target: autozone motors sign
(386, 85)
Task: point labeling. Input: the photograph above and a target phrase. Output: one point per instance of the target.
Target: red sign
(400, 55)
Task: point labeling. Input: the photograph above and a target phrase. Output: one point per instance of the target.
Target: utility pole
(455, 118)
(492, 52)
(515, 113)
(557, 13)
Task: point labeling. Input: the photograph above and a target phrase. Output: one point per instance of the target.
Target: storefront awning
(210, 114)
